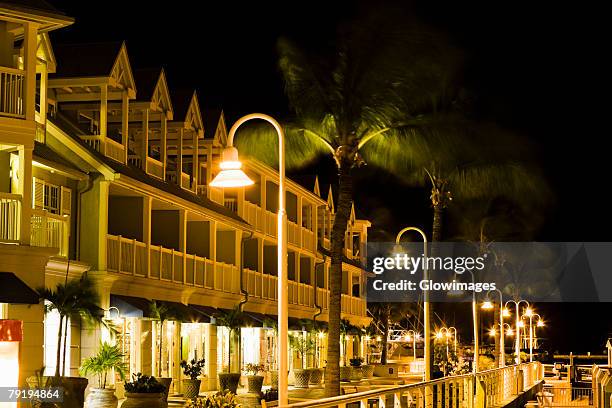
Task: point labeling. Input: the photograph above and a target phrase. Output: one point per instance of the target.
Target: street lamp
(530, 315)
(231, 175)
(517, 340)
(502, 346)
(414, 336)
(445, 333)
(426, 327)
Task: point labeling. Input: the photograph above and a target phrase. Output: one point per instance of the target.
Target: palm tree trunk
(385, 337)
(64, 351)
(161, 346)
(58, 357)
(436, 232)
(343, 211)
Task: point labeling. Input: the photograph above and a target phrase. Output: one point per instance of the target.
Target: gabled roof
(212, 117)
(187, 108)
(44, 51)
(308, 181)
(107, 59)
(50, 17)
(153, 87)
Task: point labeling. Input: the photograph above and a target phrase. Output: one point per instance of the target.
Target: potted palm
(255, 382)
(75, 300)
(109, 358)
(191, 385)
(232, 319)
(144, 392)
(302, 344)
(356, 373)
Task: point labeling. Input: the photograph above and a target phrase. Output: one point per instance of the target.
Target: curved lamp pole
(517, 340)
(426, 327)
(475, 328)
(502, 347)
(231, 176)
(530, 315)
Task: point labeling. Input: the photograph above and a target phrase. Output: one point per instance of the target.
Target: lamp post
(447, 332)
(530, 315)
(232, 176)
(517, 342)
(502, 345)
(426, 311)
(475, 321)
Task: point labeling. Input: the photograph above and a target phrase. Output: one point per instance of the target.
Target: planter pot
(142, 400)
(165, 381)
(356, 374)
(229, 382)
(345, 373)
(191, 388)
(274, 380)
(101, 398)
(255, 382)
(316, 375)
(368, 371)
(302, 377)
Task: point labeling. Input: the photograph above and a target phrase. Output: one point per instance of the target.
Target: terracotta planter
(368, 371)
(142, 400)
(345, 373)
(101, 398)
(229, 382)
(316, 375)
(356, 374)
(191, 388)
(274, 380)
(302, 377)
(255, 382)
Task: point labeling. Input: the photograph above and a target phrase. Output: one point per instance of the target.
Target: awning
(207, 311)
(184, 313)
(130, 306)
(14, 290)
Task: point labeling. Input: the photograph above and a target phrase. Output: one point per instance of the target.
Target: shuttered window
(55, 199)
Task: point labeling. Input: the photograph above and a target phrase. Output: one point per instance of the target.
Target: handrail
(14, 71)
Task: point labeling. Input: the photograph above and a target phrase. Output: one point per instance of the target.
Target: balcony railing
(231, 203)
(41, 133)
(10, 217)
(155, 168)
(12, 86)
(50, 231)
(253, 214)
(132, 257)
(185, 181)
(107, 147)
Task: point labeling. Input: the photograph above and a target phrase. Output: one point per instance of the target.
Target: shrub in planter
(191, 385)
(229, 382)
(255, 382)
(356, 362)
(144, 392)
(109, 357)
(222, 399)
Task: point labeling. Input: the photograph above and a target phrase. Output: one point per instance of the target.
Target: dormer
(184, 133)
(152, 109)
(88, 79)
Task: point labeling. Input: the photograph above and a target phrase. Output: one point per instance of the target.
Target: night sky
(535, 68)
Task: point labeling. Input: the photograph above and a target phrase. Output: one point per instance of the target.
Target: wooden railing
(309, 240)
(10, 217)
(496, 387)
(50, 231)
(231, 203)
(293, 233)
(253, 214)
(41, 133)
(155, 168)
(12, 86)
(107, 147)
(353, 305)
(185, 181)
(131, 257)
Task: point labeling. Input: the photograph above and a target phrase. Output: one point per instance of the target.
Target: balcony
(155, 168)
(107, 147)
(185, 181)
(10, 217)
(130, 257)
(12, 88)
(50, 231)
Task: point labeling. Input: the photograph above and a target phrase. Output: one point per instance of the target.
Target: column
(43, 96)
(30, 43)
(179, 157)
(211, 356)
(162, 145)
(183, 239)
(147, 347)
(25, 189)
(94, 224)
(145, 139)
(125, 105)
(103, 113)
(195, 169)
(146, 232)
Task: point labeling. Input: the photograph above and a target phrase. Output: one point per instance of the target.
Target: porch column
(30, 43)
(103, 114)
(25, 189)
(179, 157)
(43, 95)
(145, 139)
(94, 224)
(146, 229)
(183, 239)
(125, 106)
(162, 145)
(211, 357)
(195, 169)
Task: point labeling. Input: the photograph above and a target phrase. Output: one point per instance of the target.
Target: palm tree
(233, 319)
(73, 299)
(378, 85)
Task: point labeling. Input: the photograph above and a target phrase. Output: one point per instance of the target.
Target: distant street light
(529, 314)
(413, 336)
(502, 346)
(231, 175)
(426, 324)
(517, 340)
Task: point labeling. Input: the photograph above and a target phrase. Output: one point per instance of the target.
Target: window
(307, 216)
(55, 199)
(51, 198)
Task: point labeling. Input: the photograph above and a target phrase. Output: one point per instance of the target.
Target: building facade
(105, 170)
